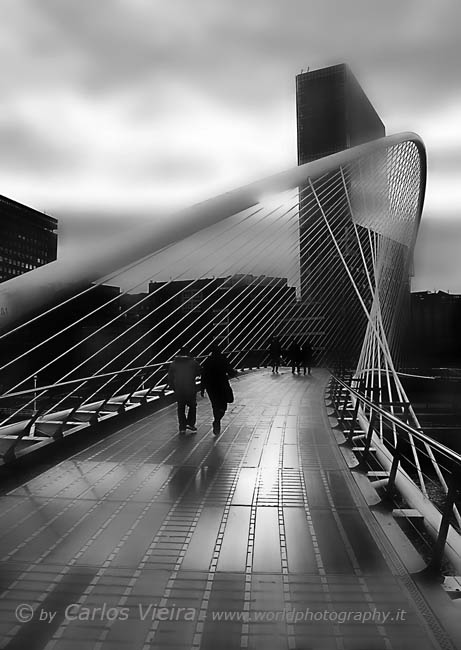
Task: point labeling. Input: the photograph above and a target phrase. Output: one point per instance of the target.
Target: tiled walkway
(255, 539)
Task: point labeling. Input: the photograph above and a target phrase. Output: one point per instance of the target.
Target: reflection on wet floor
(256, 525)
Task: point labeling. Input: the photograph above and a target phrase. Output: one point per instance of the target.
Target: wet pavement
(257, 538)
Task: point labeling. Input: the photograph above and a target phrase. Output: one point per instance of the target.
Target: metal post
(366, 450)
(394, 467)
(346, 399)
(356, 408)
(435, 563)
(35, 394)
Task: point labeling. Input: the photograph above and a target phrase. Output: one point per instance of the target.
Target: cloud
(437, 259)
(136, 107)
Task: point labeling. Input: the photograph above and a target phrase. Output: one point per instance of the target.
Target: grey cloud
(169, 166)
(437, 258)
(23, 150)
(444, 160)
(244, 52)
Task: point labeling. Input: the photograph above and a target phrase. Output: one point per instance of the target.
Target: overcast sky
(118, 109)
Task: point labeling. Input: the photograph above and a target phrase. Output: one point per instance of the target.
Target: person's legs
(219, 407)
(181, 413)
(192, 412)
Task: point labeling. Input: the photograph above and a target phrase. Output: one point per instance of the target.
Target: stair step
(407, 513)
(113, 406)
(349, 457)
(45, 427)
(86, 416)
(368, 489)
(377, 474)
(362, 449)
(27, 438)
(452, 586)
(380, 483)
(69, 422)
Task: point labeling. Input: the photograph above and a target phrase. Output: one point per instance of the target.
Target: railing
(387, 440)
(45, 414)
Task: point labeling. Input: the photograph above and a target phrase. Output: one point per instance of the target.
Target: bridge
(322, 516)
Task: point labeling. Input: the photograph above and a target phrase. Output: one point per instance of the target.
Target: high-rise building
(333, 114)
(28, 239)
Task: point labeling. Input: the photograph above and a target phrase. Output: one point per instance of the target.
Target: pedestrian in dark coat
(294, 354)
(275, 353)
(306, 354)
(216, 372)
(182, 373)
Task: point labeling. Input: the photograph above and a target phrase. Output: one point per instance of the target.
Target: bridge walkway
(258, 538)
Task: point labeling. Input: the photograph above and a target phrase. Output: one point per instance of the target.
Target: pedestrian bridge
(322, 517)
(258, 538)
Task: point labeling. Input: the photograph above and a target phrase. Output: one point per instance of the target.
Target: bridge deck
(263, 524)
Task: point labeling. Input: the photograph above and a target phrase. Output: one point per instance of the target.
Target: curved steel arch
(53, 282)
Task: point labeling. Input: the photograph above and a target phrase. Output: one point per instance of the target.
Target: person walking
(182, 373)
(275, 352)
(216, 372)
(294, 353)
(306, 355)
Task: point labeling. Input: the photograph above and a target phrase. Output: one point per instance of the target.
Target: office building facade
(28, 239)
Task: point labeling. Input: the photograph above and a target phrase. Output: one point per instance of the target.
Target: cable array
(326, 261)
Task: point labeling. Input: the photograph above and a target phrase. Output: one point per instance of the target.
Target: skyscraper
(28, 239)
(333, 114)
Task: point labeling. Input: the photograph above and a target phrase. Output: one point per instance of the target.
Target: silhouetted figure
(275, 353)
(216, 371)
(294, 353)
(306, 355)
(181, 378)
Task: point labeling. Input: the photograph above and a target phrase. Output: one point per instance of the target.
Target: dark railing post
(366, 449)
(10, 454)
(397, 453)
(435, 564)
(394, 467)
(334, 390)
(358, 387)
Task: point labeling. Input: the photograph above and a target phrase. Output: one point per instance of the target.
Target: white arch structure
(358, 212)
(355, 215)
(385, 189)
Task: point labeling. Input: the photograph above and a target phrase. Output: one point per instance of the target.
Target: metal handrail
(450, 453)
(104, 375)
(70, 382)
(441, 528)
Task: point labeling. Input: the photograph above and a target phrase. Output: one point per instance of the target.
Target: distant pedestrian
(306, 355)
(216, 372)
(182, 373)
(294, 353)
(275, 353)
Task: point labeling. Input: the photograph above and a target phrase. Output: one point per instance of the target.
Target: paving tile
(259, 521)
